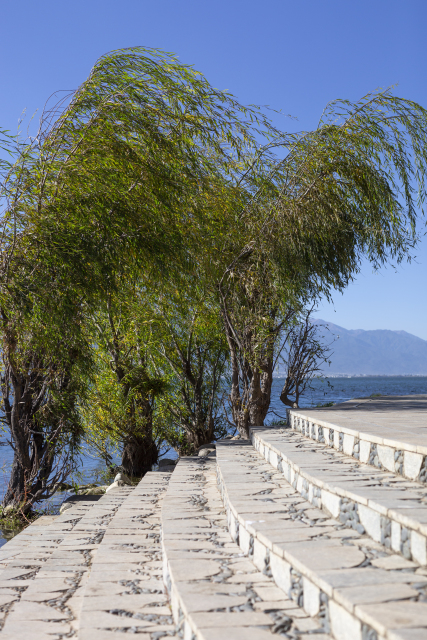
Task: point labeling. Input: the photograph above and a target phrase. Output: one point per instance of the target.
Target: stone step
(391, 509)
(363, 590)
(217, 593)
(124, 593)
(389, 432)
(45, 567)
(95, 571)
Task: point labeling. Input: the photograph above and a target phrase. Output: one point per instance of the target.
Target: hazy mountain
(379, 352)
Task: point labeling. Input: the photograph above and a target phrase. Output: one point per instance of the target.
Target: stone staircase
(387, 507)
(216, 592)
(358, 587)
(280, 536)
(86, 573)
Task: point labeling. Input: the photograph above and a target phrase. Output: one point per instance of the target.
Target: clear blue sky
(292, 55)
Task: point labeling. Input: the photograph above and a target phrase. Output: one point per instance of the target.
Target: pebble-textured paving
(308, 538)
(92, 572)
(217, 592)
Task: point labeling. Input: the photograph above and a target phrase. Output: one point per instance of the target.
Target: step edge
(298, 566)
(382, 511)
(397, 445)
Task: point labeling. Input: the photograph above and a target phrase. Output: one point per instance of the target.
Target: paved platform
(124, 592)
(389, 432)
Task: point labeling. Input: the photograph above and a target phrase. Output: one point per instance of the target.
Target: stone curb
(406, 535)
(407, 460)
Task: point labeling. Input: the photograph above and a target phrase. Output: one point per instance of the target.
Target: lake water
(326, 390)
(342, 389)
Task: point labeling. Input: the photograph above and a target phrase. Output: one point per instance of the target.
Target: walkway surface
(395, 418)
(317, 531)
(92, 573)
(218, 593)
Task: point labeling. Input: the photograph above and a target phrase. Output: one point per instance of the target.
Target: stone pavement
(310, 532)
(54, 575)
(389, 432)
(124, 593)
(360, 589)
(45, 569)
(216, 592)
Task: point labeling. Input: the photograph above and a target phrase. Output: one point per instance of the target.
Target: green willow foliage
(351, 188)
(148, 174)
(348, 190)
(118, 181)
(116, 176)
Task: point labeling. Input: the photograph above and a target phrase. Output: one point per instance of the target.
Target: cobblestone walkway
(77, 575)
(390, 509)
(389, 432)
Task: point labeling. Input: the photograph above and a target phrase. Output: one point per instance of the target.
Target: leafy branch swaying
(157, 237)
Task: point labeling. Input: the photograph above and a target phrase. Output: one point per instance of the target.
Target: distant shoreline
(364, 375)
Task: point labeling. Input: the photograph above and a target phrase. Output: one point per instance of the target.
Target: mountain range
(377, 352)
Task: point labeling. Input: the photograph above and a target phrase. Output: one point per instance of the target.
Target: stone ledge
(298, 565)
(389, 525)
(396, 455)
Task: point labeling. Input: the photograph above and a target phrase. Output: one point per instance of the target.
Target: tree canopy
(160, 239)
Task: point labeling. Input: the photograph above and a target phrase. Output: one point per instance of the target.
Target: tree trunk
(39, 461)
(239, 409)
(15, 493)
(19, 415)
(139, 454)
(32, 465)
(260, 395)
(250, 390)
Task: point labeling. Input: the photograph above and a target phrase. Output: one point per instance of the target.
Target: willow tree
(190, 351)
(351, 189)
(121, 179)
(121, 409)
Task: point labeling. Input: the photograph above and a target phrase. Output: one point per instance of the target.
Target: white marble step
(217, 593)
(391, 509)
(389, 432)
(362, 589)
